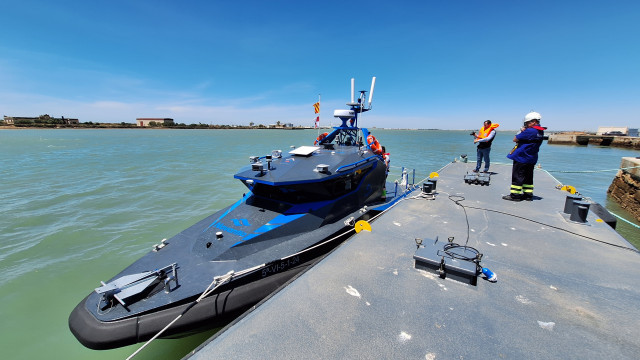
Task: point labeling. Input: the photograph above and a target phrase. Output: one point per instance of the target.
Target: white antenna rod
(373, 84)
(352, 88)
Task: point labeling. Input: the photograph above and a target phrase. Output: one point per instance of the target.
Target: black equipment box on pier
(432, 256)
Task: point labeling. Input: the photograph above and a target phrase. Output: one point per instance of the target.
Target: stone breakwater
(624, 187)
(598, 140)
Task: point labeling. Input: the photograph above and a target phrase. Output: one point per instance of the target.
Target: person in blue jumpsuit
(525, 157)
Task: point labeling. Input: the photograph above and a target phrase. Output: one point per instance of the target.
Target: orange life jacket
(485, 132)
(319, 139)
(374, 144)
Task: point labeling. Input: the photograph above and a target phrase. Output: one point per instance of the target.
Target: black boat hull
(213, 311)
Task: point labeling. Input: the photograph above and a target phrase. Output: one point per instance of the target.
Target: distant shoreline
(244, 127)
(205, 127)
(134, 127)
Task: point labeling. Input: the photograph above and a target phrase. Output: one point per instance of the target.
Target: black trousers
(522, 179)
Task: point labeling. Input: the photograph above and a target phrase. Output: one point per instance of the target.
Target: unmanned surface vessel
(299, 206)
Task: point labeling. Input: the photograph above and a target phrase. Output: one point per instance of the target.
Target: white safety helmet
(532, 116)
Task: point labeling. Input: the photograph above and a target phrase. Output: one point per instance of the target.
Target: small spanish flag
(316, 107)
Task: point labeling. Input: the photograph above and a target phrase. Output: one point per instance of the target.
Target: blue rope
(625, 220)
(593, 171)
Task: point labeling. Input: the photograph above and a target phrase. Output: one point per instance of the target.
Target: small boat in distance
(299, 206)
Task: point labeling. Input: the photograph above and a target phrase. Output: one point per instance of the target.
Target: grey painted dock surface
(559, 295)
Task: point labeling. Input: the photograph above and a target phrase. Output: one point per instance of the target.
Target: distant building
(70, 121)
(280, 126)
(143, 122)
(613, 130)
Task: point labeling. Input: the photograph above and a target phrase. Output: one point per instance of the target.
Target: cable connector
(489, 275)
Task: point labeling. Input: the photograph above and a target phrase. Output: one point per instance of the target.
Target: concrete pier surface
(565, 289)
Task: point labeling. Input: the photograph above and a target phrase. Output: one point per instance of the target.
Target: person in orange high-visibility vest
(374, 144)
(484, 138)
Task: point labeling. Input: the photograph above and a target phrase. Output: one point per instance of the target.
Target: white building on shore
(144, 122)
(617, 130)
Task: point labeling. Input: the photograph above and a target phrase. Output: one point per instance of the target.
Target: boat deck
(564, 290)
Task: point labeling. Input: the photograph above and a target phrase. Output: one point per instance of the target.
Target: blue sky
(446, 64)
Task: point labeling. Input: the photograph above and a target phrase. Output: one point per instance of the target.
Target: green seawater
(77, 206)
